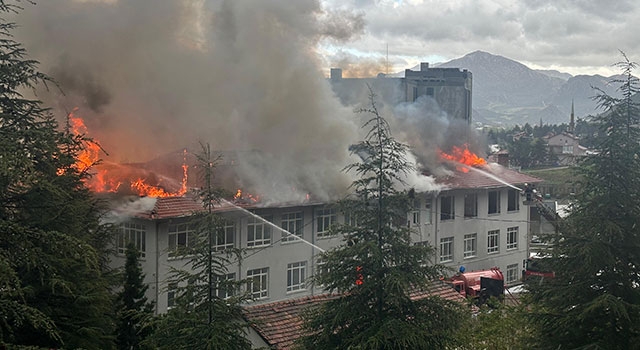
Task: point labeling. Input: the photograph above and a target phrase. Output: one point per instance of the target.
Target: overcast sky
(573, 36)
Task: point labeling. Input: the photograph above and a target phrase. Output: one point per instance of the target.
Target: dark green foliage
(133, 310)
(201, 318)
(52, 247)
(376, 271)
(594, 301)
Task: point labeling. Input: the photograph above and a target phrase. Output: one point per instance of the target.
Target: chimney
(424, 66)
(336, 73)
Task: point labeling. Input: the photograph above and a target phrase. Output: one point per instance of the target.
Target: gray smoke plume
(152, 77)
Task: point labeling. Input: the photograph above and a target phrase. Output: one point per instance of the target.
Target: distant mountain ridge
(507, 92)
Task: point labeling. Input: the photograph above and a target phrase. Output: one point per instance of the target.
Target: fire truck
(480, 285)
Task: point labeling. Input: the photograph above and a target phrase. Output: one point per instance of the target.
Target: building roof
(491, 175)
(280, 323)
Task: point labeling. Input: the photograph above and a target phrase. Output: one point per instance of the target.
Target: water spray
(272, 224)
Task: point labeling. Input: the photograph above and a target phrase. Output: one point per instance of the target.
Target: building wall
(425, 222)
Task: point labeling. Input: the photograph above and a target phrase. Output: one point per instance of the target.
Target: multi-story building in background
(450, 88)
(478, 222)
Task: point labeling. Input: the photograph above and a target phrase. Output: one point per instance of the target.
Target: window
(295, 276)
(258, 282)
(415, 93)
(494, 202)
(513, 200)
(493, 241)
(129, 232)
(325, 217)
(470, 205)
(171, 295)
(415, 212)
(224, 236)
(446, 249)
(223, 288)
(512, 237)
(181, 236)
(292, 223)
(447, 208)
(430, 91)
(567, 149)
(427, 215)
(470, 245)
(258, 231)
(513, 274)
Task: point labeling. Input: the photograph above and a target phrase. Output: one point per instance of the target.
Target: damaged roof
(491, 175)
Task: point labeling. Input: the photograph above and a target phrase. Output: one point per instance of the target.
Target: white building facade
(477, 222)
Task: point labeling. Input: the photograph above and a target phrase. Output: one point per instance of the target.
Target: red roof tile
(280, 323)
(491, 175)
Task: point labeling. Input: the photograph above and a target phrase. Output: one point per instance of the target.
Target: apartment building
(477, 222)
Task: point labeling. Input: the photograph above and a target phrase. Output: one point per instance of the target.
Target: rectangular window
(181, 237)
(415, 93)
(258, 282)
(223, 288)
(470, 245)
(470, 205)
(512, 237)
(129, 232)
(296, 273)
(258, 231)
(493, 241)
(430, 91)
(224, 237)
(428, 213)
(513, 273)
(447, 208)
(513, 200)
(494, 202)
(292, 223)
(567, 149)
(171, 295)
(446, 249)
(325, 218)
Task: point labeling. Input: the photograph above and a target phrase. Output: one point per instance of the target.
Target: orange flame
(110, 178)
(464, 156)
(247, 197)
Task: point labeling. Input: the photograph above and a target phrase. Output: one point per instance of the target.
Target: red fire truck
(481, 284)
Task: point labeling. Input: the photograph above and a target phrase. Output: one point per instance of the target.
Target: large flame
(462, 155)
(111, 177)
(241, 196)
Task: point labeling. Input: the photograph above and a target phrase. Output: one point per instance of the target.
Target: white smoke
(151, 77)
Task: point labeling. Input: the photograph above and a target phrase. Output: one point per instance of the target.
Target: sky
(572, 36)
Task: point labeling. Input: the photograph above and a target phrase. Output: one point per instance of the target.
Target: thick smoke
(151, 77)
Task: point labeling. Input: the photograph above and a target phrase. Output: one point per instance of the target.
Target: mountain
(506, 92)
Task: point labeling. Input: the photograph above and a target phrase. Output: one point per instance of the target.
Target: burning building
(477, 220)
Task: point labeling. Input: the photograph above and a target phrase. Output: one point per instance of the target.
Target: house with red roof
(477, 221)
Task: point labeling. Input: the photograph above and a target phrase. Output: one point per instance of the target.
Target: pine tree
(52, 246)
(594, 300)
(207, 313)
(133, 310)
(375, 273)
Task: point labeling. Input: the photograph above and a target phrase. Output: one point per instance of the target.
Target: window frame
(173, 233)
(471, 238)
(512, 273)
(266, 232)
(450, 213)
(493, 236)
(133, 232)
(325, 218)
(224, 236)
(512, 237)
(496, 206)
(296, 222)
(262, 275)
(446, 243)
(296, 276)
(471, 206)
(513, 200)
